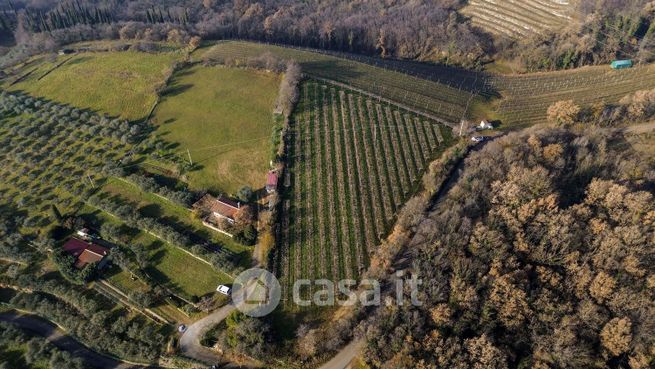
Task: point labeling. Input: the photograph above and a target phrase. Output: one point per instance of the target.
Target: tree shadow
(176, 90)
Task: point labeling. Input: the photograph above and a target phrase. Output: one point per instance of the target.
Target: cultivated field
(527, 97)
(448, 100)
(117, 83)
(56, 155)
(353, 163)
(515, 100)
(519, 18)
(224, 118)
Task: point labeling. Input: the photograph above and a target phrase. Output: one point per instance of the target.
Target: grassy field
(171, 213)
(447, 100)
(169, 266)
(342, 198)
(224, 118)
(515, 100)
(117, 83)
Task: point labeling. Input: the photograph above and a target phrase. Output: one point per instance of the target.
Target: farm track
(346, 186)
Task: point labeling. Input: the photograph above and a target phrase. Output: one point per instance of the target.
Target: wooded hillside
(541, 256)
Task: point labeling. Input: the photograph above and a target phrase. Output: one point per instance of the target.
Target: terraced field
(519, 18)
(353, 162)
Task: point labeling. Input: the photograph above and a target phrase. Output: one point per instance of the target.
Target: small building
(66, 51)
(271, 181)
(86, 253)
(622, 64)
(217, 210)
(225, 208)
(84, 233)
(484, 124)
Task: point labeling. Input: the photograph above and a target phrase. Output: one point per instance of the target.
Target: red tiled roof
(84, 252)
(271, 179)
(87, 256)
(225, 207)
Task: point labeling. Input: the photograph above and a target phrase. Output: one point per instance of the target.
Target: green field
(343, 199)
(445, 101)
(451, 93)
(224, 118)
(117, 83)
(163, 209)
(170, 266)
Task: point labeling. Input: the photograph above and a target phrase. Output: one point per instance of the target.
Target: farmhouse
(86, 253)
(271, 181)
(219, 210)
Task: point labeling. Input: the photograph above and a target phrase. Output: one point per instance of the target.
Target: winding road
(190, 341)
(37, 326)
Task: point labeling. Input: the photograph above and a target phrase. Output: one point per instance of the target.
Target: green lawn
(118, 83)
(170, 266)
(160, 208)
(224, 118)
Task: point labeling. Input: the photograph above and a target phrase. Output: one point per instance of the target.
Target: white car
(477, 138)
(225, 290)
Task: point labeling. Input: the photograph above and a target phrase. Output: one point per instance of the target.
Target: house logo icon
(256, 292)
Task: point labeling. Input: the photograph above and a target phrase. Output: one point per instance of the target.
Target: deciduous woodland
(595, 32)
(151, 151)
(540, 256)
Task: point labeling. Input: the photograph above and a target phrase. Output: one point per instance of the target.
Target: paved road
(343, 359)
(37, 326)
(190, 341)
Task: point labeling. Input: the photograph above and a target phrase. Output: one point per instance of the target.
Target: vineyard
(518, 18)
(443, 96)
(526, 98)
(353, 161)
(450, 93)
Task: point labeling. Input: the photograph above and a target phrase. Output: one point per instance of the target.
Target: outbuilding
(271, 181)
(622, 64)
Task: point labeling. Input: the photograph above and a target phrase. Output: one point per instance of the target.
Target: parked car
(181, 328)
(225, 290)
(477, 138)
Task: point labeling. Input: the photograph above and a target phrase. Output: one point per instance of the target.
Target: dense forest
(421, 30)
(540, 256)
